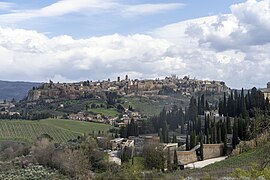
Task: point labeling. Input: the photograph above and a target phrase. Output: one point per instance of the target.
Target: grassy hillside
(60, 130)
(225, 168)
(17, 90)
(153, 105)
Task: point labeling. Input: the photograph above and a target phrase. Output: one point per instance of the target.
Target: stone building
(266, 91)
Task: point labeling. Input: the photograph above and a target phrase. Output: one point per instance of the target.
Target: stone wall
(212, 150)
(244, 146)
(186, 157)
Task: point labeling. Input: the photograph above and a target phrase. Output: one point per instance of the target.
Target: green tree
(235, 134)
(219, 134)
(225, 147)
(201, 148)
(187, 143)
(214, 134)
(175, 160)
(169, 164)
(154, 156)
(192, 140)
(174, 139)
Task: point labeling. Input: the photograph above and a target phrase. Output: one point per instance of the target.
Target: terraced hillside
(60, 130)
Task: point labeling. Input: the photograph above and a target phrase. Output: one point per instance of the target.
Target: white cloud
(86, 7)
(142, 9)
(30, 55)
(247, 25)
(6, 5)
(232, 47)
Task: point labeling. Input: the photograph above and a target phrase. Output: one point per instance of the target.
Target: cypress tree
(224, 104)
(219, 134)
(207, 107)
(207, 137)
(160, 136)
(205, 125)
(214, 134)
(187, 143)
(174, 139)
(228, 125)
(199, 125)
(123, 132)
(192, 140)
(175, 160)
(199, 106)
(223, 126)
(187, 138)
(235, 134)
(240, 128)
(225, 148)
(202, 104)
(169, 165)
(201, 147)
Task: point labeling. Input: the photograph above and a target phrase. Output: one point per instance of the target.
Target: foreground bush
(33, 172)
(253, 173)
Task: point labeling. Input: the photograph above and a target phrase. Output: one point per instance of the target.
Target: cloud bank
(232, 47)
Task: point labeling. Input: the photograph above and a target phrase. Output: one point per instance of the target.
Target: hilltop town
(173, 84)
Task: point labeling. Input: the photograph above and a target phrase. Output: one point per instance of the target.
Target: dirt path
(201, 164)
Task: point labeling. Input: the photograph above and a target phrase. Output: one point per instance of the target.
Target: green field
(152, 105)
(76, 126)
(105, 112)
(60, 130)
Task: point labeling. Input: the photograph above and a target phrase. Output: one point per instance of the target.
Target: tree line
(239, 104)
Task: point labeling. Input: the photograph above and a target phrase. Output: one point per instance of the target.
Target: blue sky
(73, 40)
(81, 25)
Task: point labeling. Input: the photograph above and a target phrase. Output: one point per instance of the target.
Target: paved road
(201, 164)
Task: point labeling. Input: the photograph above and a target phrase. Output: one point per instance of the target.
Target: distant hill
(17, 90)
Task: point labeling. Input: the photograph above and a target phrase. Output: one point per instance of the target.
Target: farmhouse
(266, 91)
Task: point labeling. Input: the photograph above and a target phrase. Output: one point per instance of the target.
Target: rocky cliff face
(58, 91)
(33, 95)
